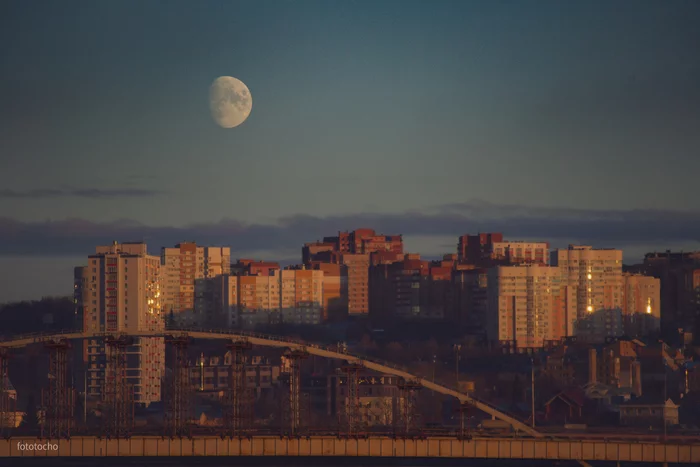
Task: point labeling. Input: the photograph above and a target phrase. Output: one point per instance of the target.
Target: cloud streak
(77, 193)
(603, 228)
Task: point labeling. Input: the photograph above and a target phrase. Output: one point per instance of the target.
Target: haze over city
(567, 122)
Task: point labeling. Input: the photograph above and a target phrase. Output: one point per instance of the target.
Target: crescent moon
(230, 101)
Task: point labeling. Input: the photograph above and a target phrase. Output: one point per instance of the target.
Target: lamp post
(434, 363)
(663, 410)
(532, 389)
(85, 377)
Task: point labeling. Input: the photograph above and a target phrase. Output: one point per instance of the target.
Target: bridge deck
(432, 447)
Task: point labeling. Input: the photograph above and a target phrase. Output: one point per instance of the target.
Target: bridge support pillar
(353, 414)
(180, 397)
(58, 398)
(408, 417)
(8, 404)
(464, 409)
(291, 410)
(238, 401)
(117, 392)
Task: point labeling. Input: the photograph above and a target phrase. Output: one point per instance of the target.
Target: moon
(230, 101)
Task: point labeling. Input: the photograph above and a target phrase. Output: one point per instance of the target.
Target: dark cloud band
(602, 228)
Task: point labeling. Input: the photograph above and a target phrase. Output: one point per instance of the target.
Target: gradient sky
(560, 121)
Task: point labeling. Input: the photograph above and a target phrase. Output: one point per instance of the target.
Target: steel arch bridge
(257, 339)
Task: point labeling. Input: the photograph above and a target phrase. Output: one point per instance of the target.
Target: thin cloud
(77, 193)
(602, 228)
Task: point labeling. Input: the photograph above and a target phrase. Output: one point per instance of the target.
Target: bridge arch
(281, 342)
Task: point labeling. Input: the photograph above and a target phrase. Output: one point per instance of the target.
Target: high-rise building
(520, 252)
(185, 269)
(335, 290)
(353, 250)
(642, 304)
(358, 283)
(365, 241)
(410, 289)
(470, 297)
(525, 306)
(473, 249)
(122, 294)
(593, 289)
(680, 287)
(292, 296)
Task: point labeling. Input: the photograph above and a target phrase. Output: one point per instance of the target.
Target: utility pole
(85, 396)
(457, 348)
(665, 397)
(532, 389)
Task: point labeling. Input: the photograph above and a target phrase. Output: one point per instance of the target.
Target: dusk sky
(563, 121)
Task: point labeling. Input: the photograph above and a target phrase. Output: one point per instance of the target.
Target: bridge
(284, 343)
(527, 443)
(582, 452)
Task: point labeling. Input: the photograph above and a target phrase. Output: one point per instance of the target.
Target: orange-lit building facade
(123, 292)
(525, 307)
(292, 296)
(186, 267)
(353, 250)
(520, 252)
(641, 304)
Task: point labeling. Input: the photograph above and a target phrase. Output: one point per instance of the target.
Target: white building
(593, 286)
(123, 293)
(525, 307)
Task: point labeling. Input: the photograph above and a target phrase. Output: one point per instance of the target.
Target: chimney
(592, 366)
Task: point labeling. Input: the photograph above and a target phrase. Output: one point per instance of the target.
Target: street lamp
(434, 363)
(457, 348)
(532, 390)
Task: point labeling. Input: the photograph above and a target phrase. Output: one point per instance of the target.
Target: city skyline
(562, 123)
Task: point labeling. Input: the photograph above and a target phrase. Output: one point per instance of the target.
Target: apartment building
(526, 309)
(353, 250)
(473, 249)
(593, 293)
(410, 289)
(641, 304)
(335, 290)
(186, 267)
(470, 297)
(515, 252)
(291, 296)
(123, 293)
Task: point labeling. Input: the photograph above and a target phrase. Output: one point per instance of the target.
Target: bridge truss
(117, 391)
(408, 415)
(8, 403)
(295, 401)
(179, 413)
(58, 398)
(239, 401)
(353, 416)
